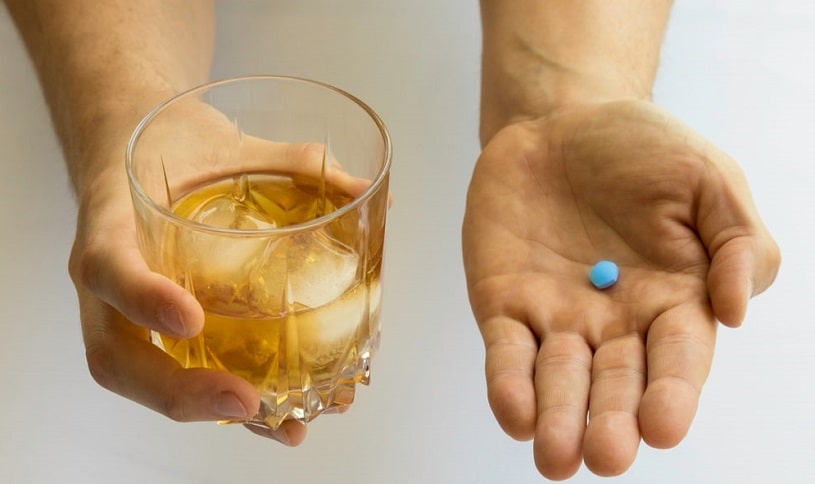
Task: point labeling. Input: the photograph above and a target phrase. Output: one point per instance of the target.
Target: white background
(741, 72)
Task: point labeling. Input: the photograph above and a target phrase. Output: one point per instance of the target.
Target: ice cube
(219, 259)
(334, 329)
(224, 211)
(336, 322)
(327, 334)
(307, 269)
(321, 269)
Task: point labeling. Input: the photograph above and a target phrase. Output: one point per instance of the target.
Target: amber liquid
(296, 315)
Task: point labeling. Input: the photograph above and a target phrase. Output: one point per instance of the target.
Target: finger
(115, 271)
(618, 381)
(744, 258)
(290, 432)
(122, 360)
(510, 358)
(562, 381)
(679, 354)
(310, 158)
(741, 268)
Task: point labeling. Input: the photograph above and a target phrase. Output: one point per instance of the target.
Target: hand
(121, 300)
(549, 198)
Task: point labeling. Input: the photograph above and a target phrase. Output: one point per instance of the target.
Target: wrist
(539, 57)
(96, 138)
(538, 88)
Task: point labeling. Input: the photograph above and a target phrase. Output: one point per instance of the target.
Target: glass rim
(137, 189)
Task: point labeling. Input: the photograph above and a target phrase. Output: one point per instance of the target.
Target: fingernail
(170, 318)
(227, 405)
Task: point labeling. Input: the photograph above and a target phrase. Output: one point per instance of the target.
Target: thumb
(742, 267)
(115, 272)
(744, 259)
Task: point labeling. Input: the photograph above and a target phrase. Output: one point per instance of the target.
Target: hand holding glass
(265, 197)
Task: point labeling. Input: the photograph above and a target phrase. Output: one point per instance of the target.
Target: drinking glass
(266, 198)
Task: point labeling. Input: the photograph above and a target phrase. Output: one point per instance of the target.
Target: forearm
(539, 55)
(103, 65)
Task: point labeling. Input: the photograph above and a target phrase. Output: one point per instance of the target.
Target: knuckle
(312, 149)
(173, 410)
(173, 406)
(308, 154)
(774, 255)
(101, 367)
(84, 265)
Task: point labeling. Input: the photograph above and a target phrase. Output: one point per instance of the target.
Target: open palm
(549, 198)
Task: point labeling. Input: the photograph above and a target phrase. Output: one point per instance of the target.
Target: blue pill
(604, 274)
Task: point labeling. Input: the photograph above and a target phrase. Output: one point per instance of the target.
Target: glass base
(307, 404)
(292, 386)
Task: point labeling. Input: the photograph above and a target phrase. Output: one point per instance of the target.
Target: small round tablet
(604, 274)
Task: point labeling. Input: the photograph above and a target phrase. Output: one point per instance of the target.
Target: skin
(103, 66)
(577, 166)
